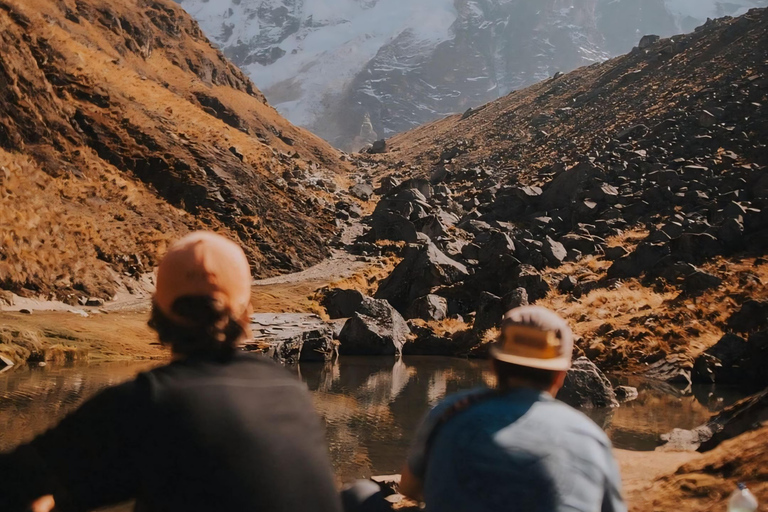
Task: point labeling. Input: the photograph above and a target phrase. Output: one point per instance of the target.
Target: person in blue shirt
(515, 447)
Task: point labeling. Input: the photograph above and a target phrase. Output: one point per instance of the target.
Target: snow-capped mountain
(356, 70)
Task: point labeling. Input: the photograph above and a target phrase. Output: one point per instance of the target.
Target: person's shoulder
(456, 398)
(577, 422)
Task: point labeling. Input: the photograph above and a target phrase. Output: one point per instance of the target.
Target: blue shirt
(518, 451)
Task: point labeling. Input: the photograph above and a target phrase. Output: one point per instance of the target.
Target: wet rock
(586, 386)
(428, 308)
(422, 269)
(379, 332)
(314, 345)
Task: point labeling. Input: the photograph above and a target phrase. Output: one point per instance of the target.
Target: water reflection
(371, 406)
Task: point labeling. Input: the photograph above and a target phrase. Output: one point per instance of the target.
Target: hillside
(121, 128)
(629, 195)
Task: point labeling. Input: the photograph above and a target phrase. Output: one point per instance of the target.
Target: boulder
(340, 303)
(489, 312)
(648, 40)
(526, 276)
(393, 226)
(695, 247)
(379, 146)
(514, 299)
(379, 332)
(587, 387)
(426, 342)
(626, 393)
(752, 316)
(314, 345)
(735, 361)
(699, 282)
(641, 260)
(554, 251)
(362, 191)
(422, 269)
(429, 307)
(567, 284)
(567, 186)
(387, 184)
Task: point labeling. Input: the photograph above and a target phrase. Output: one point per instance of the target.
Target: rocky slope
(354, 71)
(630, 196)
(121, 128)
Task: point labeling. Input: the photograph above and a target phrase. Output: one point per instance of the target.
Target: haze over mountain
(356, 70)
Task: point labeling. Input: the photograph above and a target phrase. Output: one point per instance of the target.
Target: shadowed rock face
(355, 71)
(122, 128)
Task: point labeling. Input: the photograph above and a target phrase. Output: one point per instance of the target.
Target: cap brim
(556, 364)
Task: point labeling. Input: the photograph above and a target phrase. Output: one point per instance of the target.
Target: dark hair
(536, 378)
(210, 328)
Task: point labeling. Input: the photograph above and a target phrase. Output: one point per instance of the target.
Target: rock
(735, 361)
(379, 146)
(428, 308)
(699, 282)
(382, 331)
(526, 276)
(489, 312)
(565, 188)
(554, 251)
(25, 311)
(746, 415)
(615, 253)
(340, 303)
(626, 393)
(422, 269)
(644, 258)
(426, 342)
(731, 234)
(706, 119)
(675, 368)
(495, 245)
(388, 183)
(314, 345)
(753, 315)
(94, 302)
(648, 40)
(587, 387)
(695, 247)
(362, 191)
(567, 284)
(514, 299)
(5, 362)
(393, 226)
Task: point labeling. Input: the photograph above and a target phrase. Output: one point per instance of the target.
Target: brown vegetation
(122, 128)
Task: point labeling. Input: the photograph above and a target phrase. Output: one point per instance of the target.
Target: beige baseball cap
(204, 264)
(535, 337)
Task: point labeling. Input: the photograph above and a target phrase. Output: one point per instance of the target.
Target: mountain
(356, 70)
(122, 128)
(631, 196)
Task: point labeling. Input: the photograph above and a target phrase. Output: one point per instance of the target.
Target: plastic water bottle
(742, 500)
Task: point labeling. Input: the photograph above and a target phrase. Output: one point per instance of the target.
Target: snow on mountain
(356, 70)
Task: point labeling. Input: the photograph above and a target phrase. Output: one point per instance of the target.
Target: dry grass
(626, 325)
(367, 281)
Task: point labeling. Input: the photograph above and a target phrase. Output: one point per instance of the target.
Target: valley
(629, 195)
